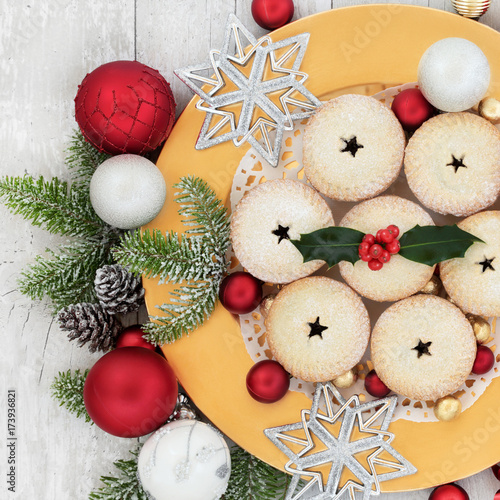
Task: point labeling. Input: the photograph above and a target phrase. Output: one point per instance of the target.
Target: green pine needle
(53, 205)
(82, 159)
(124, 487)
(68, 277)
(197, 259)
(68, 389)
(252, 479)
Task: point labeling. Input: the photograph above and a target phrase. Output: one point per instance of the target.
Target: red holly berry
(394, 230)
(375, 264)
(384, 257)
(376, 250)
(393, 247)
(363, 248)
(375, 386)
(369, 238)
(378, 236)
(365, 257)
(386, 236)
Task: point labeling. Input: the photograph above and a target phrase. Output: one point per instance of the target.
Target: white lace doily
(252, 171)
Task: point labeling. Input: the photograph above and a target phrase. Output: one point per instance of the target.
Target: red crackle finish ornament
(125, 107)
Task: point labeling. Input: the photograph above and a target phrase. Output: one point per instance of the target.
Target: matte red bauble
(412, 109)
(375, 386)
(272, 14)
(240, 292)
(125, 107)
(485, 359)
(130, 392)
(132, 336)
(449, 492)
(267, 381)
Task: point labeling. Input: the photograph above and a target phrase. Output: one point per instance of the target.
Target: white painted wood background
(46, 48)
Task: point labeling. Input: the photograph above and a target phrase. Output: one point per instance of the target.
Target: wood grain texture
(46, 48)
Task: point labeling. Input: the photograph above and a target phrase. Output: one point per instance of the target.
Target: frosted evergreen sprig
(54, 205)
(253, 479)
(82, 159)
(66, 277)
(196, 259)
(67, 388)
(124, 487)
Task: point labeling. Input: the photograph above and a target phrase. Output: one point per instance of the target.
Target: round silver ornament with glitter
(473, 9)
(185, 459)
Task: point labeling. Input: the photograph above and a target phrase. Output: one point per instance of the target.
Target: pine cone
(118, 290)
(90, 323)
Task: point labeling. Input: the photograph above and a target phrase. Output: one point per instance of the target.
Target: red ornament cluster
(125, 107)
(267, 381)
(377, 250)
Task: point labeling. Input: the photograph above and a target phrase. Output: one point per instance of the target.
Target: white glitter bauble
(185, 460)
(454, 74)
(127, 191)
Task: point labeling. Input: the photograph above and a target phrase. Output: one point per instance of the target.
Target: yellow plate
(363, 49)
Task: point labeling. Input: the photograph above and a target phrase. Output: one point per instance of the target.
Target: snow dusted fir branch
(67, 388)
(124, 487)
(195, 259)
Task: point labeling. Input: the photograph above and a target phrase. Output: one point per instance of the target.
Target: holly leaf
(432, 244)
(331, 244)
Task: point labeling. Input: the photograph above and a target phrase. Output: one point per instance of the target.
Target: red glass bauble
(497, 495)
(267, 381)
(125, 107)
(485, 359)
(449, 492)
(496, 470)
(132, 336)
(130, 392)
(412, 109)
(375, 386)
(272, 14)
(240, 292)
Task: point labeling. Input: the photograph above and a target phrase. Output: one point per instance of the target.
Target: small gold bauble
(266, 304)
(345, 380)
(473, 9)
(447, 408)
(433, 286)
(489, 108)
(481, 327)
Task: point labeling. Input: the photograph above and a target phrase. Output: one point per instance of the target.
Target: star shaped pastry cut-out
(341, 450)
(271, 93)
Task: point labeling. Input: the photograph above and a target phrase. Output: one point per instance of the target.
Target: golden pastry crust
(286, 203)
(400, 277)
(318, 358)
(472, 289)
(373, 168)
(452, 164)
(416, 321)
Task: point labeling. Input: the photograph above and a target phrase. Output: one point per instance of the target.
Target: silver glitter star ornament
(271, 92)
(343, 449)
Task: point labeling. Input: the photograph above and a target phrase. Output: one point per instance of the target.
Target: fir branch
(189, 306)
(82, 159)
(172, 257)
(68, 389)
(124, 487)
(53, 205)
(252, 479)
(204, 210)
(67, 277)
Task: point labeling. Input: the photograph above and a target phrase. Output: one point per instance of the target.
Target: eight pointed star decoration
(341, 450)
(254, 88)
